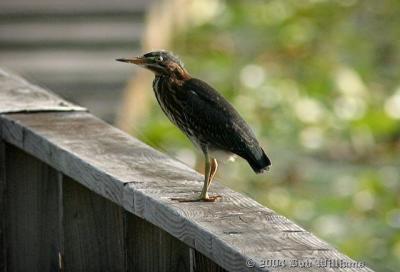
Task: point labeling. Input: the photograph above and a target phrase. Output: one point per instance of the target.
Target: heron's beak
(137, 60)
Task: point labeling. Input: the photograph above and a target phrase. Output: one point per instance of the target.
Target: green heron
(207, 119)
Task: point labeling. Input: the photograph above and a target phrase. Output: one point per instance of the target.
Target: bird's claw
(200, 199)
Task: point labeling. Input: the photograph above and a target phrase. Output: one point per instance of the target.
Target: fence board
(203, 264)
(93, 231)
(32, 217)
(152, 249)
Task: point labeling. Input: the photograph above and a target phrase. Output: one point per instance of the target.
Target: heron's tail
(259, 161)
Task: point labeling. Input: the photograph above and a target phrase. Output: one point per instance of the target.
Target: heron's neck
(180, 73)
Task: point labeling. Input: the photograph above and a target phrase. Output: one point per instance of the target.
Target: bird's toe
(199, 199)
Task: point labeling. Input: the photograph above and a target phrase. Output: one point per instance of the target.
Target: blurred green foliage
(319, 82)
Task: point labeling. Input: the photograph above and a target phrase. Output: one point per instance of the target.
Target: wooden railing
(80, 195)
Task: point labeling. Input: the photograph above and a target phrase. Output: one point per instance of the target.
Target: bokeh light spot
(309, 110)
(364, 200)
(349, 108)
(252, 76)
(392, 105)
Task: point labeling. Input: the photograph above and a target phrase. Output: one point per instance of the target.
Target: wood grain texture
(17, 95)
(149, 248)
(32, 216)
(201, 263)
(142, 180)
(93, 231)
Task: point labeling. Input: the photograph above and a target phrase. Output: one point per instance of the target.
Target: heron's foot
(212, 198)
(198, 199)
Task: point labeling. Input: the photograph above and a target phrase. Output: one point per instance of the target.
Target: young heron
(210, 122)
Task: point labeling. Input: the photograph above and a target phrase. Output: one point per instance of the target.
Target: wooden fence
(80, 195)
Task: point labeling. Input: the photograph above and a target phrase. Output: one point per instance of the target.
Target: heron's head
(159, 62)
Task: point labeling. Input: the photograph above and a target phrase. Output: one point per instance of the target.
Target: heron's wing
(212, 118)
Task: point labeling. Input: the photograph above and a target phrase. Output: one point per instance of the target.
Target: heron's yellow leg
(209, 173)
(213, 171)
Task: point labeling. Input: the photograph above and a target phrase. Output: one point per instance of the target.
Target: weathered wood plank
(143, 180)
(32, 216)
(100, 159)
(17, 95)
(152, 249)
(93, 231)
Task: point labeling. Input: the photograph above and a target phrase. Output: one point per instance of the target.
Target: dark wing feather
(215, 122)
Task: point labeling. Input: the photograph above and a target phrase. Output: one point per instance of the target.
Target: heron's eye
(159, 58)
